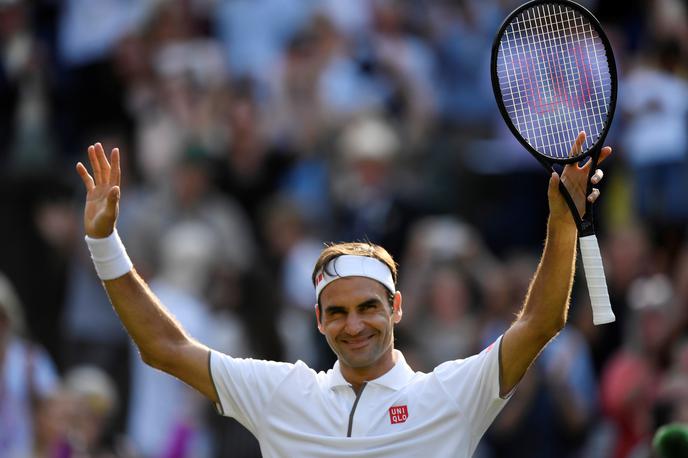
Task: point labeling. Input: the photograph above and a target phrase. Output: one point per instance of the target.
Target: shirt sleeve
(473, 383)
(244, 386)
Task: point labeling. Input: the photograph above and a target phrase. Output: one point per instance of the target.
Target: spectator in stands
(27, 378)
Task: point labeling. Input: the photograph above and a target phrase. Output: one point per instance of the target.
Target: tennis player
(371, 403)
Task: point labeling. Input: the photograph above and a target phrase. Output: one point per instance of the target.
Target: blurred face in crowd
(190, 183)
(89, 422)
(449, 296)
(356, 319)
(53, 419)
(372, 173)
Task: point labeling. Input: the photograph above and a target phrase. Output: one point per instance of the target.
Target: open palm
(102, 191)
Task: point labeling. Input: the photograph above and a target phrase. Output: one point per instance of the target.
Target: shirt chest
(379, 420)
(374, 411)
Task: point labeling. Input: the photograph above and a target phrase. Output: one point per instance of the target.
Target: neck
(357, 376)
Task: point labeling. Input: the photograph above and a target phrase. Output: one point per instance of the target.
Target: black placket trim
(353, 410)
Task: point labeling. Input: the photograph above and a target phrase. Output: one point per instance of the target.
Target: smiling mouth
(358, 342)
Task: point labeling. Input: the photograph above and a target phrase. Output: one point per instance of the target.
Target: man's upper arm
(245, 387)
(191, 364)
(240, 388)
(473, 384)
(520, 346)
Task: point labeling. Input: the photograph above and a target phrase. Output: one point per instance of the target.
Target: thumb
(113, 195)
(554, 196)
(553, 183)
(113, 200)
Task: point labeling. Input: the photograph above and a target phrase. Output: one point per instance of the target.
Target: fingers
(577, 147)
(103, 172)
(95, 165)
(115, 169)
(103, 162)
(599, 174)
(85, 177)
(595, 179)
(604, 154)
(592, 197)
(576, 185)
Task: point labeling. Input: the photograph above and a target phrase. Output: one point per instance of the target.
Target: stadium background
(251, 132)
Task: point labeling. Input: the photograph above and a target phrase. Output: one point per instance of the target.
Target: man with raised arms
(371, 403)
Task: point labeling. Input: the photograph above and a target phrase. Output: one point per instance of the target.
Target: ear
(397, 311)
(317, 319)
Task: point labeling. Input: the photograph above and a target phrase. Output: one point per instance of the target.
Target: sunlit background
(254, 130)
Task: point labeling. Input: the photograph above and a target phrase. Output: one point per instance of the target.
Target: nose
(354, 324)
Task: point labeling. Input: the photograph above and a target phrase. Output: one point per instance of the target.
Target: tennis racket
(554, 75)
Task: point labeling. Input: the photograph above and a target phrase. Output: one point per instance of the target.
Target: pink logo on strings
(551, 82)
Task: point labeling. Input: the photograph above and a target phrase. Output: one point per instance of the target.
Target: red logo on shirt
(318, 279)
(398, 414)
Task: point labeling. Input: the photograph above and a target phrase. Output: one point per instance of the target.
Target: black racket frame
(584, 223)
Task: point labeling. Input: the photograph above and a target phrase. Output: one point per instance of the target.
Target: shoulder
(222, 363)
(219, 359)
(473, 366)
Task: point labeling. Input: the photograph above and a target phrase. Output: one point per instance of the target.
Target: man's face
(356, 319)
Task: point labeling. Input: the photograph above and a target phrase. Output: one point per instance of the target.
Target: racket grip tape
(597, 284)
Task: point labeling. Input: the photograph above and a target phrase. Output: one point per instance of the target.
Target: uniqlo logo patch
(398, 414)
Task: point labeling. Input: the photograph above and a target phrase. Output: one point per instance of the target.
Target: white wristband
(109, 256)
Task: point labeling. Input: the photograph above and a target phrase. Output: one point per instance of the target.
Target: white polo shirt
(295, 412)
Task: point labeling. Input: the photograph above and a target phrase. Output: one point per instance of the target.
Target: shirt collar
(396, 378)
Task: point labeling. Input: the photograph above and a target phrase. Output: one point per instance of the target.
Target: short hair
(371, 250)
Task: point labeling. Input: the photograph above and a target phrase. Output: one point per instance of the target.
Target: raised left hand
(574, 178)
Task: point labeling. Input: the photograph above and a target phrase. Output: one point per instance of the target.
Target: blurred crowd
(252, 131)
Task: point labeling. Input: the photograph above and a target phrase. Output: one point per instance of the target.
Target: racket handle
(597, 284)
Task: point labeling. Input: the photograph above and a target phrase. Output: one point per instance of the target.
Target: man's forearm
(546, 304)
(161, 340)
(154, 330)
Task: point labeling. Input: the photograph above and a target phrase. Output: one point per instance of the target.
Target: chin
(359, 361)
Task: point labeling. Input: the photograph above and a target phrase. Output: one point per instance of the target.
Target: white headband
(353, 266)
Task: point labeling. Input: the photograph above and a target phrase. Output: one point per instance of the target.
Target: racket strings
(546, 32)
(554, 78)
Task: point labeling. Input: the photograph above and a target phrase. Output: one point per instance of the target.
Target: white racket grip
(597, 284)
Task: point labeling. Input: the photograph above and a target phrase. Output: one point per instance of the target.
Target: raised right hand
(102, 191)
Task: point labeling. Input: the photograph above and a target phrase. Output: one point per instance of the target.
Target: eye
(334, 313)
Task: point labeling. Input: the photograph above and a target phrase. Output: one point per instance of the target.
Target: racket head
(554, 75)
